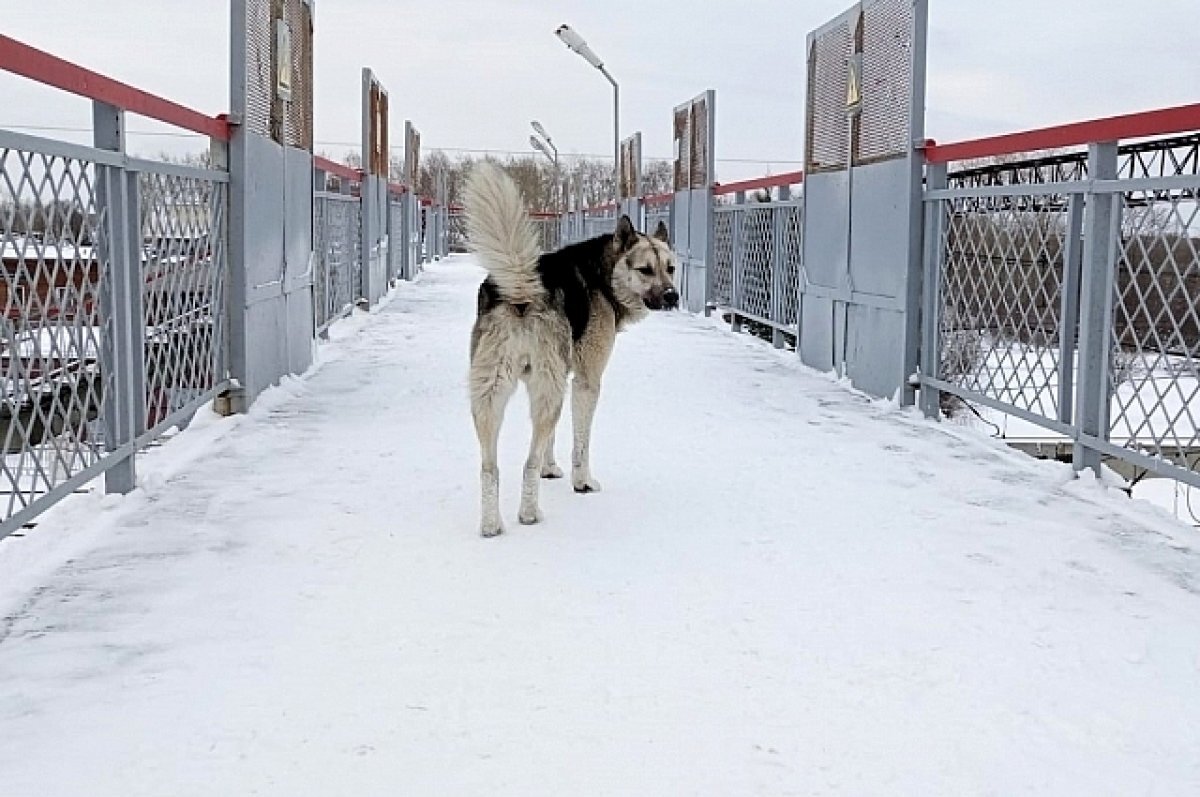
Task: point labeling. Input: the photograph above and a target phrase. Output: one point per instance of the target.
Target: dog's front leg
(584, 396)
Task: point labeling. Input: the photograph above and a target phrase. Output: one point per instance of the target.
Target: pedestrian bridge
(240, 547)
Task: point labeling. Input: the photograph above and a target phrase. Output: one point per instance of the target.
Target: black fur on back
(572, 276)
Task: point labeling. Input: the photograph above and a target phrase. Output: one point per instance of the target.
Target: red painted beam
(26, 61)
(341, 170)
(787, 178)
(1180, 119)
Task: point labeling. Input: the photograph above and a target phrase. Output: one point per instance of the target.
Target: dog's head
(645, 265)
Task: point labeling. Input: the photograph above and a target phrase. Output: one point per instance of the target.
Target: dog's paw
(528, 518)
(588, 485)
(551, 471)
(491, 530)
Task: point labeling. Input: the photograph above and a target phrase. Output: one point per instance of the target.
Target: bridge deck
(784, 588)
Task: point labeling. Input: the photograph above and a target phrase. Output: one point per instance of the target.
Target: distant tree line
(590, 179)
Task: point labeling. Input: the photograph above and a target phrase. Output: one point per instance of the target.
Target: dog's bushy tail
(500, 233)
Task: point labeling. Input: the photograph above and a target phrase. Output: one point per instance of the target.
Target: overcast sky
(473, 73)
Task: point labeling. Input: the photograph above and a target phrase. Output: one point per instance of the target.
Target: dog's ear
(661, 233)
(625, 236)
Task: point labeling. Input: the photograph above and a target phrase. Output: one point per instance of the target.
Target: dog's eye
(646, 270)
(670, 269)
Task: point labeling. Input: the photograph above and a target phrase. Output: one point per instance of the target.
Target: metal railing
(1064, 291)
(116, 277)
(657, 209)
(549, 230)
(113, 276)
(599, 221)
(337, 256)
(756, 268)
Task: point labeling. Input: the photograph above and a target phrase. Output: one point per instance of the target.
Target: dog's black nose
(671, 298)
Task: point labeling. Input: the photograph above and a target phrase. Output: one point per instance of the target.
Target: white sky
(473, 73)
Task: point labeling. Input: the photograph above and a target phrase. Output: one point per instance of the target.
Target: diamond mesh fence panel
(791, 263)
(1155, 366)
(1001, 289)
(725, 221)
(753, 270)
(457, 231)
(596, 224)
(757, 261)
(547, 230)
(1002, 294)
(656, 214)
(52, 285)
(337, 267)
(184, 271)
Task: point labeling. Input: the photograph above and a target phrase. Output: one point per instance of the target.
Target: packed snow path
(784, 589)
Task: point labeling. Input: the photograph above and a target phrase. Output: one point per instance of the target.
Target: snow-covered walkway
(784, 589)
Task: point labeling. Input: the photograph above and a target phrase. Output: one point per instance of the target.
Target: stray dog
(542, 317)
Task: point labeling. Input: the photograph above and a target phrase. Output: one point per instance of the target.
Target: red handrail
(771, 181)
(1179, 119)
(21, 59)
(339, 169)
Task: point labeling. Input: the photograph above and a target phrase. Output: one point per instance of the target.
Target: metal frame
(1130, 283)
(156, 308)
(756, 262)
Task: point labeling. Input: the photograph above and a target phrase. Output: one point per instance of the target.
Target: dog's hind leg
(490, 392)
(550, 469)
(546, 390)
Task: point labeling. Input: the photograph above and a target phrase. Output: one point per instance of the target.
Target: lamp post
(545, 145)
(577, 45)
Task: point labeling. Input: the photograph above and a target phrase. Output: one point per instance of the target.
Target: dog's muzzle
(667, 300)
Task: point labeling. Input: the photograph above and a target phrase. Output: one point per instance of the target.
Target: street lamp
(577, 45)
(545, 145)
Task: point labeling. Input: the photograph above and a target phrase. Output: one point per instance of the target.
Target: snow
(785, 588)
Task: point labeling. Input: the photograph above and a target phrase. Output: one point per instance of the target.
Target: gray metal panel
(700, 209)
(298, 205)
(259, 163)
(815, 343)
(826, 244)
(299, 329)
(874, 352)
(880, 215)
(681, 241)
(839, 335)
(266, 330)
(374, 232)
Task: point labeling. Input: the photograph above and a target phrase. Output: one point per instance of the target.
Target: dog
(542, 318)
